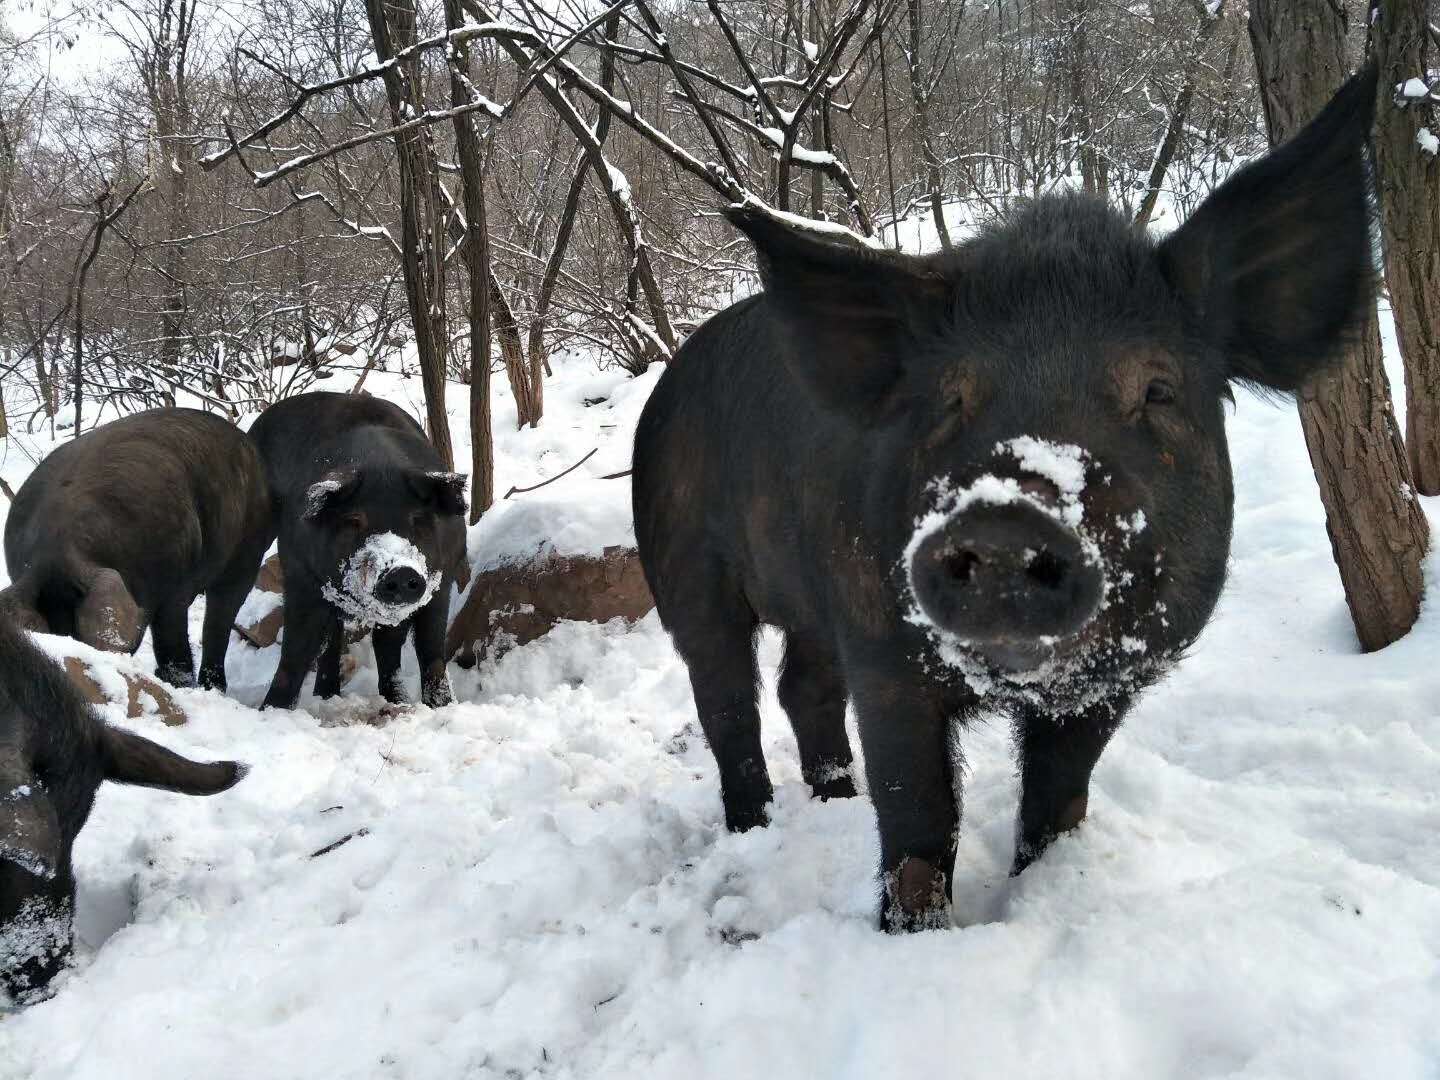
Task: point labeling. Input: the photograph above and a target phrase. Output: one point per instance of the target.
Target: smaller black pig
(372, 533)
(128, 524)
(54, 754)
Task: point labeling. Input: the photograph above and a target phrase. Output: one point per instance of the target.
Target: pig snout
(400, 586)
(1010, 580)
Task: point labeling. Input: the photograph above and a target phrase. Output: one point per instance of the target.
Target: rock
(515, 603)
(271, 578)
(135, 685)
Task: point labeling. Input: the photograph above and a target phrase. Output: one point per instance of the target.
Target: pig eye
(353, 521)
(1159, 392)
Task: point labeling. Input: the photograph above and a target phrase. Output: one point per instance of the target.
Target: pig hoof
(175, 676)
(1073, 814)
(915, 898)
(842, 787)
(746, 818)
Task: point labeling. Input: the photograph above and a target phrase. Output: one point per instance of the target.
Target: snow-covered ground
(544, 886)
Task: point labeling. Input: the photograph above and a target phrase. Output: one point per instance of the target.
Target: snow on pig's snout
(384, 582)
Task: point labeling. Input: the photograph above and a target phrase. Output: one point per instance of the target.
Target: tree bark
(422, 244)
(1378, 533)
(1409, 182)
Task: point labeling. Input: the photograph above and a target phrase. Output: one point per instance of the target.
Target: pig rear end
(125, 526)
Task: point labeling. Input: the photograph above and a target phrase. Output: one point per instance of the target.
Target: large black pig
(128, 524)
(372, 533)
(995, 476)
(54, 754)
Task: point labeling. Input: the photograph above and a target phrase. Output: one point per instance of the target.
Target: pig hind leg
(812, 692)
(170, 634)
(223, 601)
(714, 632)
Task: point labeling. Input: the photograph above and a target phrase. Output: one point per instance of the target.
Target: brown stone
(265, 631)
(166, 706)
(519, 602)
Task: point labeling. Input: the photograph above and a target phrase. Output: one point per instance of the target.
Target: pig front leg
(327, 666)
(430, 626)
(389, 642)
(308, 622)
(905, 729)
(1057, 755)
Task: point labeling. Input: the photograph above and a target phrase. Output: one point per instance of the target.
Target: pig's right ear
(134, 759)
(29, 829)
(1275, 265)
(108, 618)
(329, 492)
(443, 490)
(849, 310)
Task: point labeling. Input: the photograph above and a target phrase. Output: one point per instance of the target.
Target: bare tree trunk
(1179, 113)
(522, 385)
(1082, 125)
(422, 245)
(1409, 182)
(615, 187)
(1378, 532)
(476, 250)
(166, 77)
(920, 98)
(551, 277)
(501, 320)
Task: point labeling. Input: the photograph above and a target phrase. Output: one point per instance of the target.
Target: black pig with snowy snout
(54, 754)
(992, 477)
(372, 533)
(126, 525)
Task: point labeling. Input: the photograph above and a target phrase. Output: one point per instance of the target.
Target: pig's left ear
(1275, 265)
(443, 490)
(29, 829)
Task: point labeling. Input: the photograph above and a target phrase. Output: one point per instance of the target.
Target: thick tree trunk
(1377, 530)
(1409, 182)
(422, 243)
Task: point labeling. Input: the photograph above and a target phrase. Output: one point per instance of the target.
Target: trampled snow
(544, 887)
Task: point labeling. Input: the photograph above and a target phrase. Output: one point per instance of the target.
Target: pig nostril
(958, 565)
(1047, 569)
